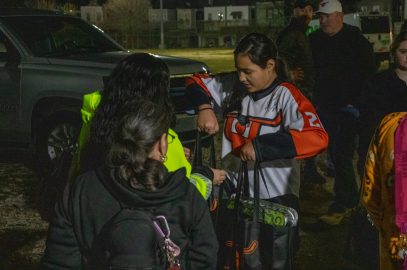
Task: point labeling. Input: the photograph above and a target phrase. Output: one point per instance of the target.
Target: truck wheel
(56, 142)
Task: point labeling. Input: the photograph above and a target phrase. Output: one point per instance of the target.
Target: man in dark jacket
(294, 48)
(343, 60)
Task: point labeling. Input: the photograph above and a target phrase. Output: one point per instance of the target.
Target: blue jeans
(341, 126)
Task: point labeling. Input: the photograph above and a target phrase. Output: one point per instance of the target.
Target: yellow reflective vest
(175, 153)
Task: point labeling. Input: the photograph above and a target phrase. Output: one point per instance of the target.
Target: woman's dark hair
(259, 48)
(140, 125)
(139, 75)
(402, 36)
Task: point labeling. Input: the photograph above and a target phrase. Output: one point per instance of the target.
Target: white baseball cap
(329, 6)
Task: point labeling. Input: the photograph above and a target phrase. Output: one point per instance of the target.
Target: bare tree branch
(128, 16)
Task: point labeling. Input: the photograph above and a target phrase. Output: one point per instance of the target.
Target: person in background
(403, 27)
(384, 93)
(139, 75)
(378, 185)
(343, 60)
(133, 171)
(294, 48)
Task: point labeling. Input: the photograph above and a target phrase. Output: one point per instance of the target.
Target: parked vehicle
(48, 61)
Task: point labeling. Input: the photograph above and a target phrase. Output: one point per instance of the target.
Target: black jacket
(342, 62)
(87, 205)
(382, 94)
(294, 49)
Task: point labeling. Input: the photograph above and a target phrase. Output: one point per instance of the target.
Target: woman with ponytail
(137, 76)
(268, 120)
(274, 124)
(133, 175)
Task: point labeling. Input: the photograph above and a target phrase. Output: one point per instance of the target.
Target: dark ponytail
(282, 69)
(141, 124)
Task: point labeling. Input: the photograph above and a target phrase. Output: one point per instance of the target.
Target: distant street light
(220, 16)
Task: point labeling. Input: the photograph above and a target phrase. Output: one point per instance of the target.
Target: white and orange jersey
(283, 126)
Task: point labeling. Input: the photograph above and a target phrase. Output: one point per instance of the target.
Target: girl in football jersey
(270, 121)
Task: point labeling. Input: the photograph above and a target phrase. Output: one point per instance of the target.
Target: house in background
(206, 23)
(223, 23)
(186, 18)
(168, 16)
(187, 29)
(271, 14)
(169, 20)
(92, 14)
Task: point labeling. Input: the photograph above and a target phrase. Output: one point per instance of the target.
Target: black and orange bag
(250, 233)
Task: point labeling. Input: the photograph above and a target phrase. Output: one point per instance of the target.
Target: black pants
(341, 126)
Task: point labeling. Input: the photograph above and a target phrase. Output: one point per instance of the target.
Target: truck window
(3, 49)
(8, 53)
(59, 36)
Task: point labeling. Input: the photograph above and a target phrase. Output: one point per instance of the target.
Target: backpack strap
(163, 232)
(160, 224)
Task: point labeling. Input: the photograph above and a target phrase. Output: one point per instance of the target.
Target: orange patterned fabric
(378, 186)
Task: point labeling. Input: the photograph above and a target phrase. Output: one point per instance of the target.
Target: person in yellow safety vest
(176, 156)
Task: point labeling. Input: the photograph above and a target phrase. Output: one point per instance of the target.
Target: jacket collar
(265, 92)
(176, 185)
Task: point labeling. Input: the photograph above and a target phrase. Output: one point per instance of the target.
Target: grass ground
(218, 59)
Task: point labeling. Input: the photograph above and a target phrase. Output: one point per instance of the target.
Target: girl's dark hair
(259, 48)
(139, 75)
(140, 125)
(402, 36)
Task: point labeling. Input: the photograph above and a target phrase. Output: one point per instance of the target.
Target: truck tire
(55, 143)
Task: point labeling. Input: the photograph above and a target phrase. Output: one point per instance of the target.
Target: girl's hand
(218, 176)
(187, 152)
(247, 152)
(207, 121)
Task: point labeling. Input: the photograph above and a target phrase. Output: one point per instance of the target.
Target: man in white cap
(330, 16)
(343, 60)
